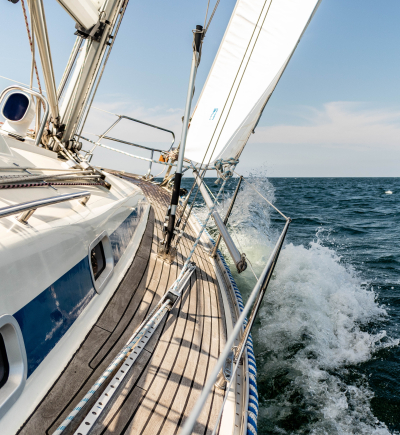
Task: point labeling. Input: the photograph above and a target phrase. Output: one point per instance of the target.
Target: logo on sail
(214, 112)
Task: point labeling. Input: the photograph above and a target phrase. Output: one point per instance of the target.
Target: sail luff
(260, 40)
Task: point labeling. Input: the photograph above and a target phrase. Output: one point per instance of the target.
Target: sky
(335, 111)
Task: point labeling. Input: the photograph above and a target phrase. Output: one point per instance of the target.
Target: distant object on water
(388, 192)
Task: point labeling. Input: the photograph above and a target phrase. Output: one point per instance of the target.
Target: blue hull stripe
(46, 318)
(121, 237)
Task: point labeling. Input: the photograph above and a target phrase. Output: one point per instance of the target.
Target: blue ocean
(327, 336)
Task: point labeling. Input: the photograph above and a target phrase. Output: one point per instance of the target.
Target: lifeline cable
(252, 367)
(32, 47)
(263, 197)
(196, 242)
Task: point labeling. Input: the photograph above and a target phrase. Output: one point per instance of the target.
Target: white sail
(258, 44)
(84, 12)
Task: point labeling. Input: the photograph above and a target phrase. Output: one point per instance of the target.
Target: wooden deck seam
(154, 376)
(206, 307)
(183, 371)
(172, 367)
(144, 314)
(115, 414)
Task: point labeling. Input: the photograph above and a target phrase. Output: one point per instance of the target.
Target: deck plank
(161, 388)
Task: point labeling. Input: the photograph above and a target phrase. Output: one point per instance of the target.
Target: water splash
(312, 334)
(314, 327)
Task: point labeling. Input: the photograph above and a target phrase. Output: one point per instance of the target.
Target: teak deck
(163, 385)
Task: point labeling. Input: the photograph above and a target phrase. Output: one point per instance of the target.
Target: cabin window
(4, 365)
(101, 261)
(98, 260)
(16, 107)
(13, 363)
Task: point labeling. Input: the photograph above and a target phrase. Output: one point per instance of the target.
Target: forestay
(258, 44)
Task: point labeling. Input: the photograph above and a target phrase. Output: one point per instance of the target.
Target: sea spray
(314, 328)
(310, 335)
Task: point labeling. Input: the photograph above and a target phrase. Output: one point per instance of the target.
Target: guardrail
(28, 208)
(89, 154)
(230, 357)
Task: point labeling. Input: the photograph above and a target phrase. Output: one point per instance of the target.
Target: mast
(42, 39)
(198, 34)
(95, 21)
(97, 40)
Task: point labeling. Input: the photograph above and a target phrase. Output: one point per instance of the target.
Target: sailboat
(118, 312)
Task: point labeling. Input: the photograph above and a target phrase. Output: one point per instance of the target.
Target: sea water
(327, 335)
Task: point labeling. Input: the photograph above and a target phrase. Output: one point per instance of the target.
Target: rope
(263, 197)
(32, 49)
(155, 176)
(211, 17)
(122, 13)
(132, 155)
(242, 250)
(205, 18)
(155, 320)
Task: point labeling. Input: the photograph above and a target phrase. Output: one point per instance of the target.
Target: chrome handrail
(133, 144)
(89, 154)
(39, 133)
(154, 126)
(254, 301)
(28, 208)
(120, 117)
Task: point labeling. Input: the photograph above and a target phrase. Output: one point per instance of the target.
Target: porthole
(13, 363)
(98, 260)
(4, 365)
(101, 261)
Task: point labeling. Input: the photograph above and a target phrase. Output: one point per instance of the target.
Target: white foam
(311, 321)
(311, 328)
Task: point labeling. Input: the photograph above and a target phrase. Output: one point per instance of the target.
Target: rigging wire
(263, 197)
(223, 193)
(205, 18)
(31, 43)
(114, 36)
(44, 92)
(211, 17)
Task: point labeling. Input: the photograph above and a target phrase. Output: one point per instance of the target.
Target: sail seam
(244, 72)
(237, 74)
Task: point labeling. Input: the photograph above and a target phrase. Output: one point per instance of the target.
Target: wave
(314, 328)
(311, 333)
